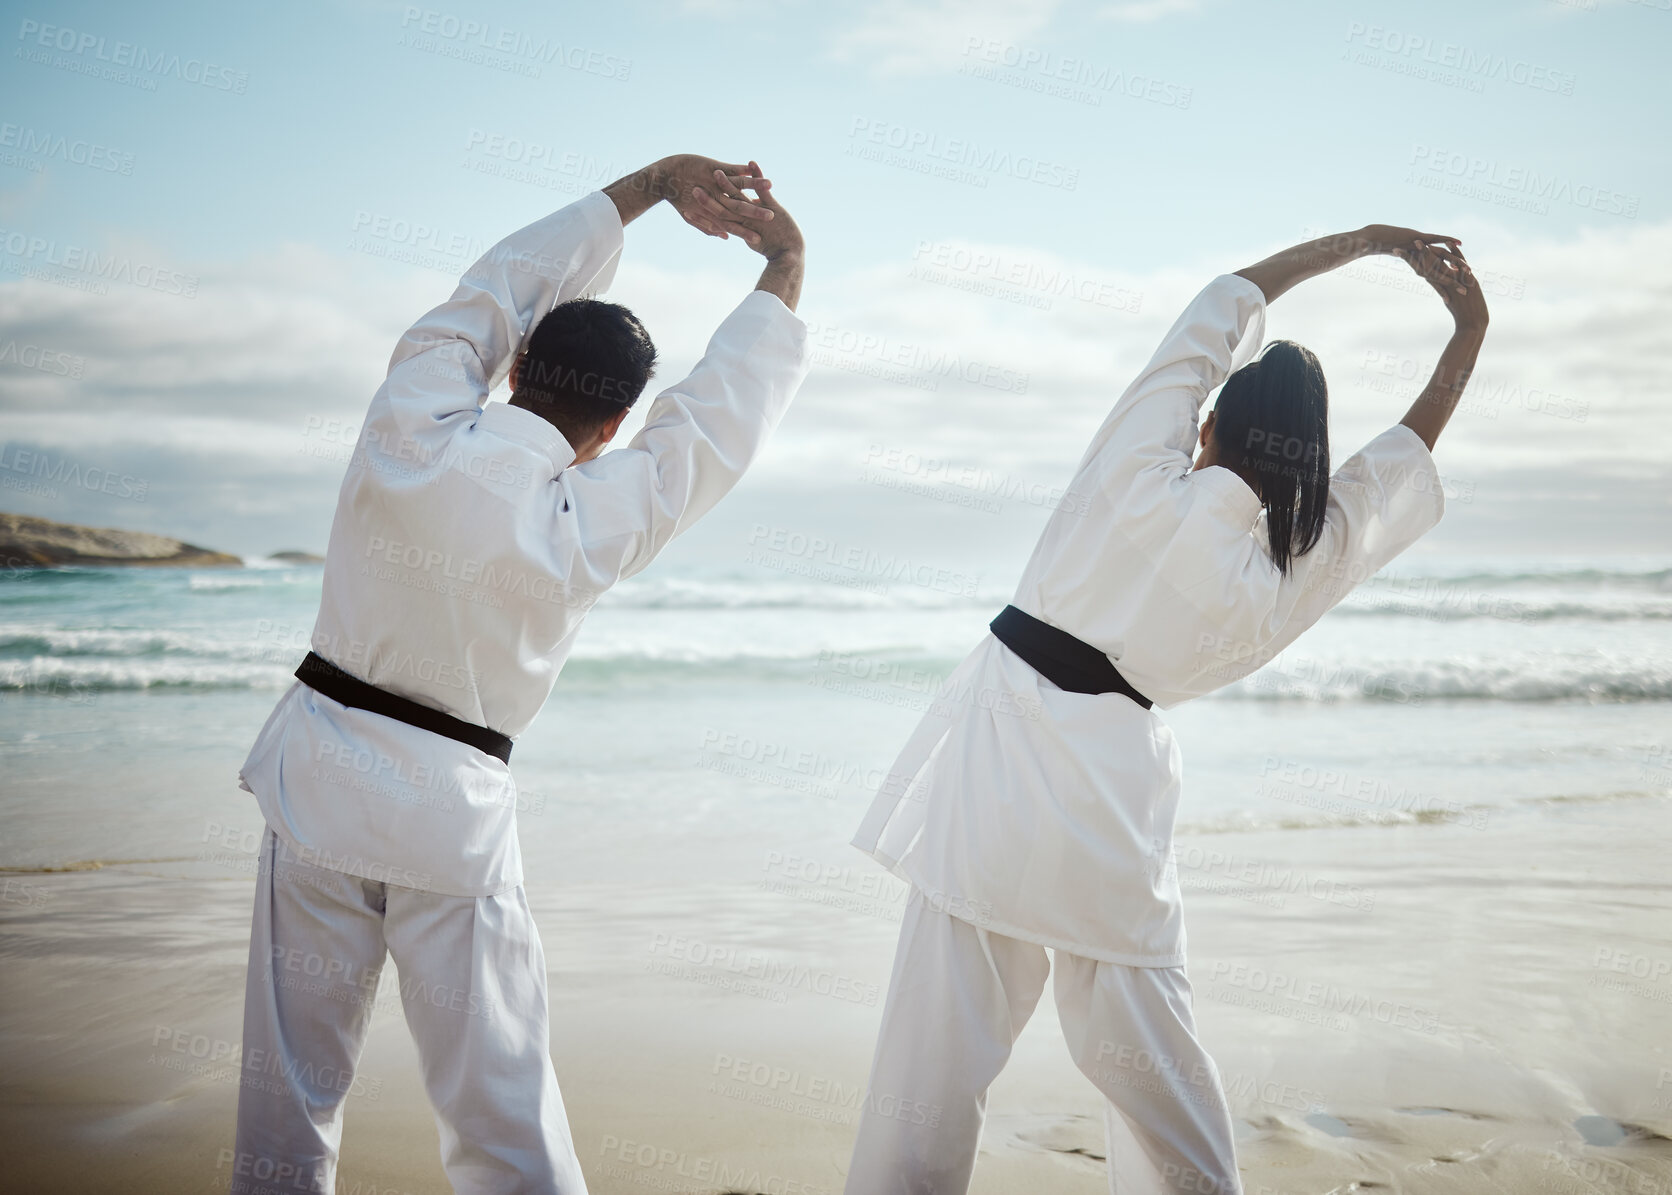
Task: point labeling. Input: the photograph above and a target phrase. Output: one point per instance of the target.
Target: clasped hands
(711, 197)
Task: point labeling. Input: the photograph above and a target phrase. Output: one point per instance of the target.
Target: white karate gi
(1043, 818)
(466, 550)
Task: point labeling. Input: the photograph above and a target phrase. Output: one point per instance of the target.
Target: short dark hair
(587, 361)
(1271, 424)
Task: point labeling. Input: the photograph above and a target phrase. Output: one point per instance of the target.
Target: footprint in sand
(1072, 1134)
(1439, 1112)
(1603, 1130)
(1334, 1126)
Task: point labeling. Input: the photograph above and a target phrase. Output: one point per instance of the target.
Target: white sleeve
(699, 438)
(1150, 435)
(449, 360)
(1381, 501)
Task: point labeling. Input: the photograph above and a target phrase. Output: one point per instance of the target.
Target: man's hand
(777, 239)
(676, 179)
(778, 236)
(710, 197)
(686, 177)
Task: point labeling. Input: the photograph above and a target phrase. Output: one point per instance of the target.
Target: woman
(1034, 807)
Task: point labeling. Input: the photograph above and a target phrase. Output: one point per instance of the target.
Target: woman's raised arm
(1281, 271)
(1450, 276)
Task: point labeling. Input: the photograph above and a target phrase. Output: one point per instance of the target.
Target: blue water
(708, 715)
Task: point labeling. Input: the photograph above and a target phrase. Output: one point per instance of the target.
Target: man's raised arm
(702, 433)
(449, 360)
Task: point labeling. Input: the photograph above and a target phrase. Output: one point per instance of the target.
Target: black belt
(1059, 657)
(322, 676)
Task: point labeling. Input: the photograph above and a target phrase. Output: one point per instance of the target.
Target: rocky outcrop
(28, 542)
(296, 556)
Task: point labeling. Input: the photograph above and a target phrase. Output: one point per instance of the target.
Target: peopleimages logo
(958, 158)
(144, 62)
(44, 467)
(1513, 184)
(38, 252)
(771, 547)
(468, 39)
(920, 364)
(74, 151)
(1468, 63)
(1031, 68)
(48, 361)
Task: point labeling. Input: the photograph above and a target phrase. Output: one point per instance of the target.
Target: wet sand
(1449, 1007)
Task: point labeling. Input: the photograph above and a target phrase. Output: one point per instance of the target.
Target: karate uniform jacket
(1047, 815)
(468, 547)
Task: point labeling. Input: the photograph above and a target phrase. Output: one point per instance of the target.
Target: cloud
(731, 10)
(1559, 440)
(1572, 360)
(917, 37)
(1143, 12)
(262, 339)
(987, 355)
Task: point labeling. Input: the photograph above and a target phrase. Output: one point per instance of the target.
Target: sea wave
(1471, 815)
(1512, 594)
(1309, 681)
(685, 593)
(22, 638)
(1543, 678)
(59, 677)
(1505, 607)
(1633, 576)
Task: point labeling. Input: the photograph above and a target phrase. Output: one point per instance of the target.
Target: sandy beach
(1392, 1008)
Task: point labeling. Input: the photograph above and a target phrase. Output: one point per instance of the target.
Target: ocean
(714, 722)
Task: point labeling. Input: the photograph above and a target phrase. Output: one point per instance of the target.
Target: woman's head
(1271, 427)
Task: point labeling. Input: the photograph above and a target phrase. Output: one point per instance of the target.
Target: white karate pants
(957, 1000)
(473, 988)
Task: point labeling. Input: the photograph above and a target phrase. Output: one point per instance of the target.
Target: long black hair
(1271, 424)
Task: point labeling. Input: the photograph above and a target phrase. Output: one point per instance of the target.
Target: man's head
(1270, 426)
(586, 365)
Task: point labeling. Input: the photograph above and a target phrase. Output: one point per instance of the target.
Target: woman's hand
(1443, 267)
(1392, 239)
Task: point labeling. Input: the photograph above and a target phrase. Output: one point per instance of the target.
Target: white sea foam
(245, 580)
(1543, 677)
(1553, 634)
(56, 675)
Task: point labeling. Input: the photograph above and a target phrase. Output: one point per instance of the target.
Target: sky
(1005, 205)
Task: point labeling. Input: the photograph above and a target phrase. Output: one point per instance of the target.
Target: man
(470, 540)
